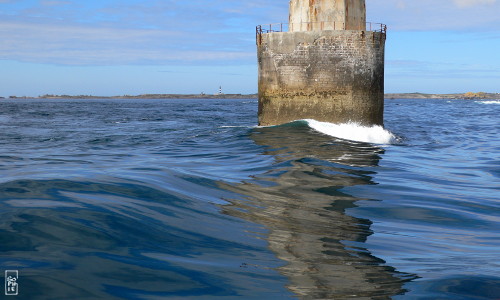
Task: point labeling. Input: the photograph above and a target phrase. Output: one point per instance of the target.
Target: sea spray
(489, 102)
(354, 132)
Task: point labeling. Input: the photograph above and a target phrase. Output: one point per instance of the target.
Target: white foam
(489, 102)
(354, 132)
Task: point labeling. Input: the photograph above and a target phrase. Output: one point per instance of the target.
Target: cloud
(468, 3)
(132, 32)
(172, 31)
(58, 43)
(401, 4)
(431, 15)
(428, 69)
(54, 3)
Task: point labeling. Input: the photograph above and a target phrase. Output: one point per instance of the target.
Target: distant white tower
(220, 90)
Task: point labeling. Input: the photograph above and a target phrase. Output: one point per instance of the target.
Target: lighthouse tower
(329, 66)
(327, 15)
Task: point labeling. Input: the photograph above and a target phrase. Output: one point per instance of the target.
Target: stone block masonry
(332, 76)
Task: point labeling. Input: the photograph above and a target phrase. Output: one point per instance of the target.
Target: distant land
(416, 95)
(468, 95)
(145, 96)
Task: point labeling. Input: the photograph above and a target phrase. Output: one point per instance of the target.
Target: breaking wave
(354, 132)
(489, 102)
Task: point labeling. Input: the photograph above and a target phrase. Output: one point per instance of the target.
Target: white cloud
(54, 3)
(430, 15)
(468, 3)
(134, 32)
(416, 68)
(173, 32)
(77, 44)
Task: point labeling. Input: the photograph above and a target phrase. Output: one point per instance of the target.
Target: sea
(190, 199)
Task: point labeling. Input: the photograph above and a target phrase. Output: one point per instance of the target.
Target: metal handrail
(281, 27)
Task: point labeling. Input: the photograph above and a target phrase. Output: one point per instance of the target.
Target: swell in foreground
(148, 199)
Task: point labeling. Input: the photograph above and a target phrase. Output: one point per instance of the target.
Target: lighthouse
(326, 64)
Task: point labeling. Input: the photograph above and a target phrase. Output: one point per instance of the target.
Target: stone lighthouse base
(332, 76)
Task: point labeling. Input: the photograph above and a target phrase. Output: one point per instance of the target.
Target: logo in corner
(11, 284)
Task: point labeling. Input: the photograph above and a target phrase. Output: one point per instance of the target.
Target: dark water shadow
(303, 203)
(123, 240)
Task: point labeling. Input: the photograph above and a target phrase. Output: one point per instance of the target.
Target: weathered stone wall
(307, 15)
(331, 76)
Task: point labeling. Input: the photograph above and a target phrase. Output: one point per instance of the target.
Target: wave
(489, 102)
(354, 132)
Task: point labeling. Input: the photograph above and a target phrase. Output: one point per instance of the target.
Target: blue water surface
(157, 199)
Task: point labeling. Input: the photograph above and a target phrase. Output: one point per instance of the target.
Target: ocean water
(189, 199)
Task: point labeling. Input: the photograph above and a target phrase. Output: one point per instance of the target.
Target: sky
(131, 47)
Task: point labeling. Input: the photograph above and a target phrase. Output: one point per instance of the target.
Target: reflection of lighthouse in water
(303, 205)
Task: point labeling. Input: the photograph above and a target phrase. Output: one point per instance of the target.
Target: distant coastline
(469, 95)
(143, 96)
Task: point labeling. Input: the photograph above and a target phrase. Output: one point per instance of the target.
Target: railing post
(261, 29)
(258, 31)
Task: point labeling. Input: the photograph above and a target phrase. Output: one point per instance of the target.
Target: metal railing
(307, 26)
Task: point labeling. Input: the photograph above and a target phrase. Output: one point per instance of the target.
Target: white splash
(489, 102)
(354, 132)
